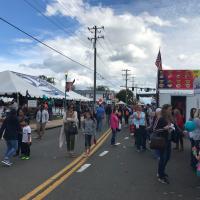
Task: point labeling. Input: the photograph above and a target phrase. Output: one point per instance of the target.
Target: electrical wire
(44, 44)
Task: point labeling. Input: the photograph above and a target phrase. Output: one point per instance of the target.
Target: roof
(11, 83)
(14, 82)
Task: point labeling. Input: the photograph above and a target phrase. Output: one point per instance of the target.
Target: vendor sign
(178, 79)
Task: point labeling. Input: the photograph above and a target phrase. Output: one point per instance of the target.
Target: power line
(48, 46)
(51, 21)
(44, 44)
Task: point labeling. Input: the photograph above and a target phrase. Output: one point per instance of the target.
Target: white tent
(11, 83)
(75, 96)
(121, 103)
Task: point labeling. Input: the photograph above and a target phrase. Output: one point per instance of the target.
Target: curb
(48, 128)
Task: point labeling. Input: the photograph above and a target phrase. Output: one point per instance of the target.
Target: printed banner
(179, 79)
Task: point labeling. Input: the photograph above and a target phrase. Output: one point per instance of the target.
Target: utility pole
(133, 84)
(95, 30)
(126, 81)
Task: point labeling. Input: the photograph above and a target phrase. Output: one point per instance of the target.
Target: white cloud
(132, 39)
(182, 57)
(183, 20)
(23, 40)
(155, 20)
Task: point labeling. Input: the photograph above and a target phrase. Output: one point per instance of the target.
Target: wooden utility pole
(95, 30)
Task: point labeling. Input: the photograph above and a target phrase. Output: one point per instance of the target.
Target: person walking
(21, 117)
(108, 113)
(10, 130)
(26, 141)
(140, 128)
(42, 117)
(100, 114)
(151, 129)
(70, 121)
(114, 124)
(89, 130)
(164, 129)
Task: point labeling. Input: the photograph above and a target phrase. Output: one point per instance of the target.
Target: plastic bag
(120, 126)
(61, 137)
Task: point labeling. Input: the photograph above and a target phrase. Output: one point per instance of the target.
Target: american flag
(69, 85)
(158, 62)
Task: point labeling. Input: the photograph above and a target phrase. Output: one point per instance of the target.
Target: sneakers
(163, 180)
(165, 175)
(25, 158)
(6, 162)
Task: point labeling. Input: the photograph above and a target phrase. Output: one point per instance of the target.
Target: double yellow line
(53, 182)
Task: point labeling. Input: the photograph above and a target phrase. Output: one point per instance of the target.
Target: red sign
(177, 79)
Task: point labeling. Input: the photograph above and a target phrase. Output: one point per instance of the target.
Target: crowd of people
(158, 127)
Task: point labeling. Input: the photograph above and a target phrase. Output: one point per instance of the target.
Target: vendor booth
(180, 89)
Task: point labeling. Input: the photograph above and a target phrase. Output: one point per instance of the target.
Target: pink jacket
(114, 121)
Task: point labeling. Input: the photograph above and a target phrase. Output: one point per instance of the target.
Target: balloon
(190, 126)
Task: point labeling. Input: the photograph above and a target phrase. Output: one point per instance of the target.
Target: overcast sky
(134, 31)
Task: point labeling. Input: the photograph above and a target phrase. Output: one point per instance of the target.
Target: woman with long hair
(164, 128)
(70, 120)
(140, 128)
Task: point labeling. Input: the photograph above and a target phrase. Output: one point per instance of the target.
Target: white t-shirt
(26, 133)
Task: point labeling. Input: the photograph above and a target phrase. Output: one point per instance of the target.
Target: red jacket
(114, 121)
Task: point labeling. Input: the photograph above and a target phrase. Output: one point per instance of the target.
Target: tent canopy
(11, 83)
(75, 96)
(121, 103)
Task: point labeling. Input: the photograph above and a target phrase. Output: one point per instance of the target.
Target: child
(89, 127)
(26, 141)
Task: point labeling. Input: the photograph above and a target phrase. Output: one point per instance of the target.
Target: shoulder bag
(157, 141)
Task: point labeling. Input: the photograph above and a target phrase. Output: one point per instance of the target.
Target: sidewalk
(49, 125)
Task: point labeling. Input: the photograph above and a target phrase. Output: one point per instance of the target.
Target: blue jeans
(12, 146)
(99, 123)
(164, 158)
(113, 139)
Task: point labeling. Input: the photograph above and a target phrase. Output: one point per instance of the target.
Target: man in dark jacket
(11, 129)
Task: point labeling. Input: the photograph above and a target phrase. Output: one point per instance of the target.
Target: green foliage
(121, 95)
(48, 79)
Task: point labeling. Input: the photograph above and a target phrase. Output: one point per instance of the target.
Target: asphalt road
(46, 160)
(120, 174)
(124, 174)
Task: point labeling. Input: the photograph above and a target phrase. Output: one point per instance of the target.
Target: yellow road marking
(57, 175)
(66, 176)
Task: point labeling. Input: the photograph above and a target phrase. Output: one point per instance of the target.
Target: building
(179, 88)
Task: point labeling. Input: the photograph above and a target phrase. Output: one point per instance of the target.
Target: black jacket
(12, 128)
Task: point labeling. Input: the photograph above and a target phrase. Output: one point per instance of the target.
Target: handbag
(72, 129)
(157, 141)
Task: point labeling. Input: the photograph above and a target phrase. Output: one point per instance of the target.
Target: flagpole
(157, 89)
(158, 63)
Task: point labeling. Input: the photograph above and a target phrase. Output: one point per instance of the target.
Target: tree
(121, 95)
(102, 88)
(48, 79)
